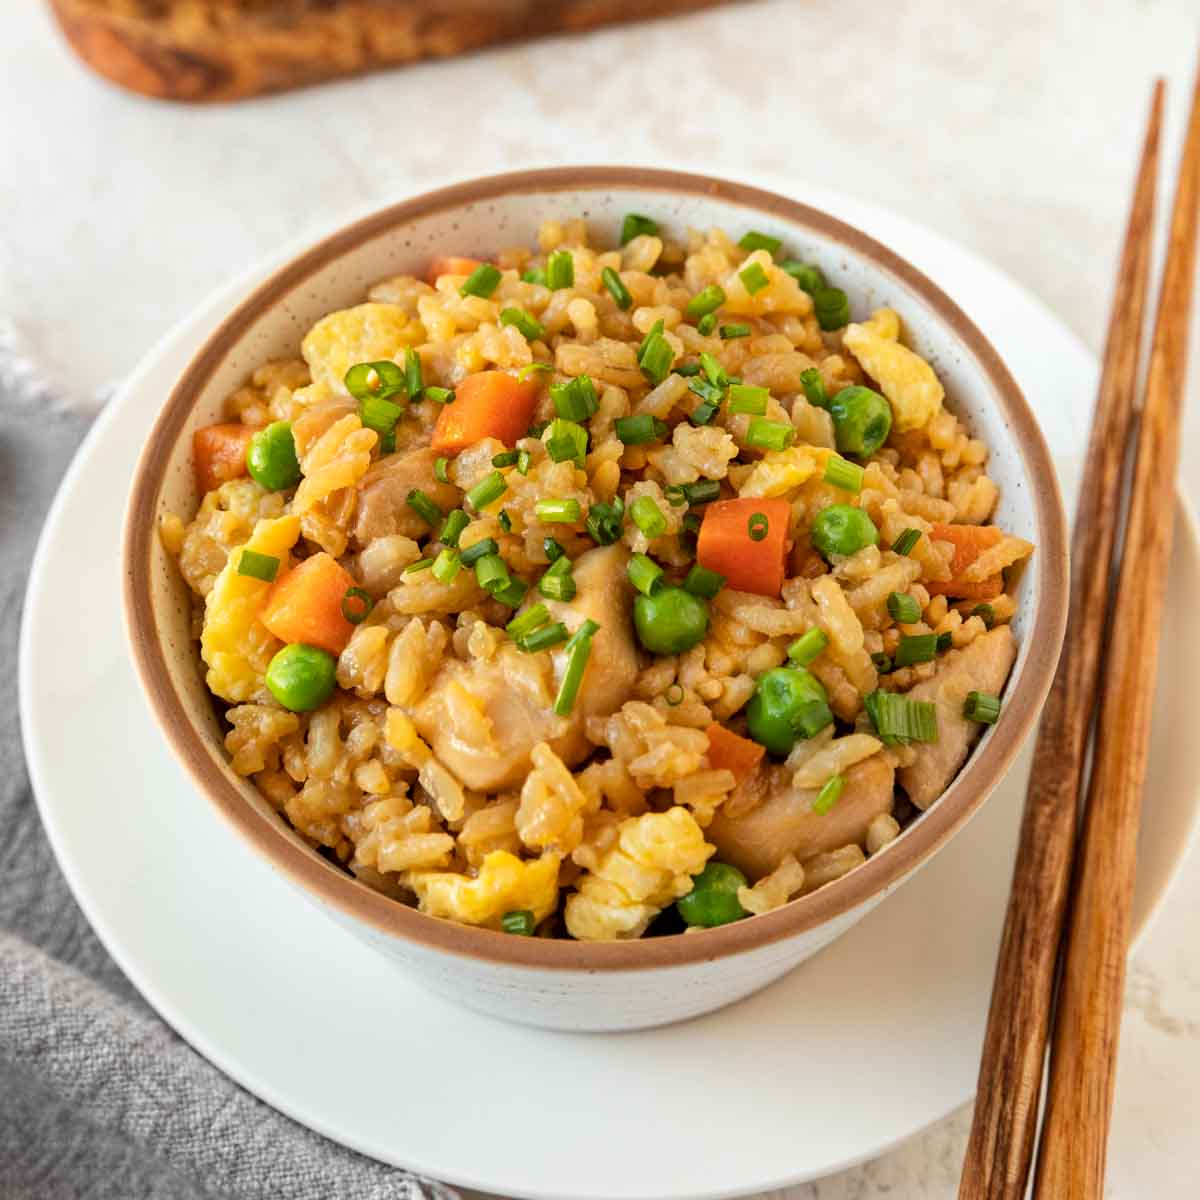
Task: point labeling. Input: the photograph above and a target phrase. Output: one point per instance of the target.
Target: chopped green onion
(986, 612)
(982, 707)
(703, 413)
(506, 458)
(439, 395)
(414, 379)
(534, 275)
(487, 491)
(841, 473)
(576, 400)
(482, 281)
(560, 270)
(757, 526)
(356, 605)
(523, 460)
(882, 662)
(807, 647)
(731, 332)
(713, 371)
(480, 549)
(456, 522)
(566, 441)
(688, 369)
(770, 435)
(377, 380)
(532, 618)
(645, 574)
(832, 308)
(639, 429)
(691, 523)
(706, 325)
(562, 512)
(552, 548)
(616, 289)
(810, 278)
(544, 638)
(520, 921)
(753, 277)
(814, 387)
(916, 648)
(746, 399)
(827, 797)
(381, 416)
(526, 324)
(579, 649)
(505, 520)
(510, 593)
(533, 368)
(760, 241)
(425, 508)
(635, 225)
(702, 491)
(648, 517)
(906, 541)
(706, 301)
(701, 581)
(674, 695)
(557, 582)
(446, 566)
(710, 393)
(440, 470)
(903, 608)
(258, 566)
(945, 641)
(656, 357)
(605, 521)
(422, 564)
(491, 572)
(900, 720)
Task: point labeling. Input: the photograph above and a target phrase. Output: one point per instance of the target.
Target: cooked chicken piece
(983, 666)
(784, 823)
(483, 718)
(383, 495)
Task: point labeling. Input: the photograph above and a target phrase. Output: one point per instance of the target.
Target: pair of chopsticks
(1092, 880)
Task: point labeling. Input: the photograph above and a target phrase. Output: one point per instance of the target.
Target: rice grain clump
(554, 589)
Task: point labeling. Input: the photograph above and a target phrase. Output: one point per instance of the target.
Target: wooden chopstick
(1000, 1148)
(1083, 1054)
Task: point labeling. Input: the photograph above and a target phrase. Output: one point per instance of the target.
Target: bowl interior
(488, 215)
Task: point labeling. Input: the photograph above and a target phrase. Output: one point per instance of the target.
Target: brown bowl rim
(281, 846)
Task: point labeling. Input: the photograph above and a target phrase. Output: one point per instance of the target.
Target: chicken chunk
(783, 822)
(484, 717)
(983, 666)
(383, 495)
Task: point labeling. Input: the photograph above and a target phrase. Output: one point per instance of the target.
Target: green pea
(271, 457)
(671, 621)
(302, 677)
(843, 529)
(862, 420)
(789, 705)
(713, 898)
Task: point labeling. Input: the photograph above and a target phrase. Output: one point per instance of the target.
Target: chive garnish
(807, 647)
(753, 277)
(903, 608)
(635, 225)
(770, 435)
(258, 566)
(530, 328)
(482, 281)
(579, 650)
(425, 508)
(616, 289)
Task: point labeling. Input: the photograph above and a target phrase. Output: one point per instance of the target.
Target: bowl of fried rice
(597, 588)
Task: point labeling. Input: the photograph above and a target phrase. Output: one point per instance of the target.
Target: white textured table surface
(1011, 128)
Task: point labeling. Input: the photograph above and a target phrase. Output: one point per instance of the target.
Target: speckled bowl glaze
(565, 984)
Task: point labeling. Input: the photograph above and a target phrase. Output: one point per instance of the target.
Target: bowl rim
(281, 846)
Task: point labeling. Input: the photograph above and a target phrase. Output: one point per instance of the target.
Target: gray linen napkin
(98, 1098)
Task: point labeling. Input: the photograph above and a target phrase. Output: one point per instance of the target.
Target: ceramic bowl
(565, 984)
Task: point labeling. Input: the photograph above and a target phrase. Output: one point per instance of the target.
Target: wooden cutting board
(230, 49)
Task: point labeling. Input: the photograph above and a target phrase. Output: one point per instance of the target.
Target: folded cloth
(99, 1099)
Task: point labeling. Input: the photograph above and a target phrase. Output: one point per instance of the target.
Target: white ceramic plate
(856, 1050)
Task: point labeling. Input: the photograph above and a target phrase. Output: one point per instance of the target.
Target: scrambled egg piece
(550, 816)
(365, 333)
(782, 293)
(651, 865)
(905, 378)
(234, 643)
(779, 471)
(504, 884)
(433, 775)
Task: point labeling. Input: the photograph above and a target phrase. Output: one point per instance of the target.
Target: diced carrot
(450, 265)
(305, 604)
(219, 454)
(969, 541)
(730, 752)
(725, 544)
(490, 404)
